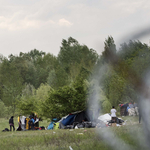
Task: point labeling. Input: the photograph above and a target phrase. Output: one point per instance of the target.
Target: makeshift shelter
(81, 116)
(70, 121)
(74, 118)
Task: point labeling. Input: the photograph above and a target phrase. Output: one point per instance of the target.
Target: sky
(42, 24)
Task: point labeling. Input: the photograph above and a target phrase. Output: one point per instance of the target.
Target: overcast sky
(42, 24)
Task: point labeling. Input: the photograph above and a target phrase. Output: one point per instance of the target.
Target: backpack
(6, 129)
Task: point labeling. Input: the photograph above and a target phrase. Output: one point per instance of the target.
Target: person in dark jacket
(11, 123)
(140, 115)
(31, 123)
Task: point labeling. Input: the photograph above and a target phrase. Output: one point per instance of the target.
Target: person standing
(136, 108)
(22, 120)
(19, 119)
(113, 114)
(11, 123)
(140, 115)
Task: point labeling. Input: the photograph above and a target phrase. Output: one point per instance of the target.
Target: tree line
(54, 86)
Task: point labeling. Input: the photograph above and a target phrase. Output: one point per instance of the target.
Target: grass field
(77, 139)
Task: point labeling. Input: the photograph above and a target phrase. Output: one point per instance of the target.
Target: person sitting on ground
(19, 127)
(113, 114)
(11, 123)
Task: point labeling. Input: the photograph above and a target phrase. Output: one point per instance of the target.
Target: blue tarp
(50, 126)
(68, 120)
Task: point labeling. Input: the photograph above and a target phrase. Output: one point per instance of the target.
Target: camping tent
(76, 117)
(71, 120)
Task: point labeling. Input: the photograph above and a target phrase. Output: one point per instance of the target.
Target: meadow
(76, 139)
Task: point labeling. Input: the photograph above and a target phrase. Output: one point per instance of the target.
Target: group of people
(132, 109)
(32, 122)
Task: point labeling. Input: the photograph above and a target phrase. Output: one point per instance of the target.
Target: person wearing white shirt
(113, 114)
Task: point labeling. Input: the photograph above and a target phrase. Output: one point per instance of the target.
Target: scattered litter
(71, 130)
(118, 125)
(70, 148)
(46, 133)
(79, 133)
(85, 130)
(124, 122)
(54, 132)
(76, 127)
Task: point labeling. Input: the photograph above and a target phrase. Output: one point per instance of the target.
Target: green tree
(73, 56)
(109, 53)
(27, 102)
(65, 100)
(57, 78)
(32, 99)
(41, 96)
(25, 66)
(44, 65)
(35, 54)
(12, 83)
